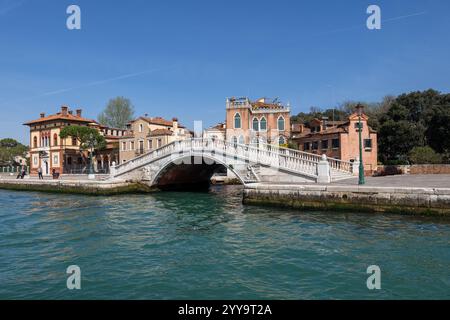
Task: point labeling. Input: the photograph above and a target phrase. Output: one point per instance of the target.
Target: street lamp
(359, 112)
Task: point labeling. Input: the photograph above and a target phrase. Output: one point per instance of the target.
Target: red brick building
(338, 139)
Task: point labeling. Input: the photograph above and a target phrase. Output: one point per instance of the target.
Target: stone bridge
(193, 162)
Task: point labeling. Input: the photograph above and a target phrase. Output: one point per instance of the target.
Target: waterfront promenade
(408, 194)
(413, 181)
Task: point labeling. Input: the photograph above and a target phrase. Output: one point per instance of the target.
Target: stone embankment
(405, 200)
(90, 187)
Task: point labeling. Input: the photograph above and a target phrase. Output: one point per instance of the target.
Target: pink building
(338, 139)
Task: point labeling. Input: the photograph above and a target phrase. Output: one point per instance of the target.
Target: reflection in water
(208, 245)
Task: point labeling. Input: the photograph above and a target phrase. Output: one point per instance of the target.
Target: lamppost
(359, 111)
(91, 160)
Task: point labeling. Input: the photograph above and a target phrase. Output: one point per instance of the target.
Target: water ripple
(210, 246)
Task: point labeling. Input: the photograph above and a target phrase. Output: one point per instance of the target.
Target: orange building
(254, 122)
(338, 139)
(49, 152)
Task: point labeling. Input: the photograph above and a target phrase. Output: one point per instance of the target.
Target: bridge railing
(265, 154)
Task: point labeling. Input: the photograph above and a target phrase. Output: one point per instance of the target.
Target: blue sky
(183, 58)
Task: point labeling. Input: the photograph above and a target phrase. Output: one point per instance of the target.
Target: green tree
(89, 139)
(424, 155)
(438, 131)
(10, 148)
(397, 138)
(410, 122)
(118, 112)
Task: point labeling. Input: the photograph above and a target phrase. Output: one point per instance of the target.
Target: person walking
(23, 174)
(40, 174)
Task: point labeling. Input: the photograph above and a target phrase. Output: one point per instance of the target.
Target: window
(55, 140)
(280, 123)
(367, 144)
(315, 145)
(124, 146)
(237, 121)
(281, 140)
(141, 127)
(150, 144)
(335, 144)
(74, 141)
(357, 126)
(35, 142)
(241, 140)
(324, 145)
(132, 145)
(306, 146)
(235, 140)
(159, 143)
(255, 124)
(263, 124)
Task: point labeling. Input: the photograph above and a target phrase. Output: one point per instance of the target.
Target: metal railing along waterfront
(264, 154)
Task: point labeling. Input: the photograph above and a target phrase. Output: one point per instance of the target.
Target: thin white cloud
(89, 84)
(360, 26)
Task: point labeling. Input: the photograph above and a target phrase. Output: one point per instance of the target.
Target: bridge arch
(191, 170)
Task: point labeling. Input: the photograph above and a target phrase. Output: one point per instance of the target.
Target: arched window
(281, 140)
(237, 121)
(235, 141)
(280, 123)
(241, 140)
(263, 124)
(55, 140)
(141, 127)
(35, 142)
(255, 125)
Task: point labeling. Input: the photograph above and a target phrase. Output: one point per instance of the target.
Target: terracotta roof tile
(60, 116)
(160, 121)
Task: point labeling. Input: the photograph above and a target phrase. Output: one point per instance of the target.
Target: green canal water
(210, 246)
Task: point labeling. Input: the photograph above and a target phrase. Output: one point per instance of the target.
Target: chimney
(175, 125)
(42, 115)
(79, 112)
(70, 112)
(324, 122)
(64, 110)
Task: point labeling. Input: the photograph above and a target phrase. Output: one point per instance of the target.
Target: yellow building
(146, 134)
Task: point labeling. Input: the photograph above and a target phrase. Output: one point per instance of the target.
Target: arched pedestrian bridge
(194, 161)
